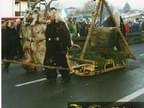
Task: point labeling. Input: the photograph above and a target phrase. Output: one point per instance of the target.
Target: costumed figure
(33, 39)
(58, 42)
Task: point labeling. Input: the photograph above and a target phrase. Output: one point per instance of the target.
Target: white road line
(141, 54)
(31, 82)
(132, 96)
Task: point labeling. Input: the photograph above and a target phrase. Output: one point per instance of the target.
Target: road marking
(31, 82)
(132, 96)
(141, 54)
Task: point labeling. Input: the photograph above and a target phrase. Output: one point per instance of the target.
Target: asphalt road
(107, 87)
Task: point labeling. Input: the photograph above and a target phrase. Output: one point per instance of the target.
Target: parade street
(30, 90)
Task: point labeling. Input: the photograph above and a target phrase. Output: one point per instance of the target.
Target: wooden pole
(36, 65)
(69, 62)
(101, 13)
(90, 31)
(121, 34)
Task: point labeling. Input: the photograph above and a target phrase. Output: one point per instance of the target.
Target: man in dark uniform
(11, 43)
(58, 42)
(3, 31)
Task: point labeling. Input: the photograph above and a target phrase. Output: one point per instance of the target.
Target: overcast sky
(136, 4)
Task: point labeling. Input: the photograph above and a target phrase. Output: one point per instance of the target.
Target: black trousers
(56, 59)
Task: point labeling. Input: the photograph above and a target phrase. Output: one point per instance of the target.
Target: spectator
(135, 26)
(81, 27)
(11, 42)
(127, 27)
(69, 22)
(142, 26)
(19, 51)
(74, 28)
(3, 38)
(86, 26)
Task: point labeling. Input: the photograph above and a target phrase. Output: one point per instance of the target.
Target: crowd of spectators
(78, 27)
(11, 46)
(134, 26)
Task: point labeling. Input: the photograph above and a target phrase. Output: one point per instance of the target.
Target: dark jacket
(12, 43)
(3, 42)
(57, 38)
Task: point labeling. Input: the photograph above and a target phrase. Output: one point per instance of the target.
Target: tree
(90, 6)
(126, 7)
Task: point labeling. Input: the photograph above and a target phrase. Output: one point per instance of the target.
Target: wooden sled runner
(91, 69)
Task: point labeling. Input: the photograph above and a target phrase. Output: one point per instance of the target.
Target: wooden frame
(101, 3)
(85, 64)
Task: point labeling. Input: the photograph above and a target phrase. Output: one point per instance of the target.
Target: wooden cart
(86, 67)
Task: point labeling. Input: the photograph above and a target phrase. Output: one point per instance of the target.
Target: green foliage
(101, 56)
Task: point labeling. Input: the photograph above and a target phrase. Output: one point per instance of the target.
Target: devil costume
(57, 43)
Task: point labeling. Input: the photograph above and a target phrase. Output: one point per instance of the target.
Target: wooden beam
(101, 13)
(112, 69)
(121, 34)
(69, 62)
(36, 65)
(90, 31)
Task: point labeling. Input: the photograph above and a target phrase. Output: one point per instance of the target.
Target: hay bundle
(104, 38)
